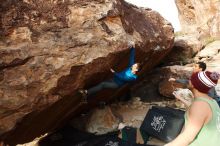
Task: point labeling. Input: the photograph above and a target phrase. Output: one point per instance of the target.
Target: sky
(167, 8)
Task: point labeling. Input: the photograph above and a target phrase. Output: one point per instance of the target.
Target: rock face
(102, 121)
(200, 17)
(185, 48)
(210, 52)
(50, 49)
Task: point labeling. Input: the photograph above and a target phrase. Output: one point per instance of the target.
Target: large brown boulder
(50, 49)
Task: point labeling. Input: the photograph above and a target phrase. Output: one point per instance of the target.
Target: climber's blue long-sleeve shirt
(126, 75)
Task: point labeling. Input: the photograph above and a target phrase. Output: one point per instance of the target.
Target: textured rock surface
(185, 48)
(49, 49)
(209, 52)
(102, 121)
(200, 17)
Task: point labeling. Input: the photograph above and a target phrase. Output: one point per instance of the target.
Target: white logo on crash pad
(158, 123)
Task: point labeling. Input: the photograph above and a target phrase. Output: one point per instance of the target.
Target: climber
(119, 79)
